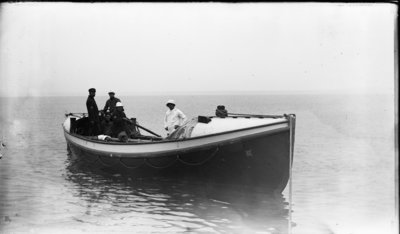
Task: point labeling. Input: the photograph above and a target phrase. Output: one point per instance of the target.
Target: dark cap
(111, 92)
(92, 90)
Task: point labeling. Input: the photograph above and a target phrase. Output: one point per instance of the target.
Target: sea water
(343, 178)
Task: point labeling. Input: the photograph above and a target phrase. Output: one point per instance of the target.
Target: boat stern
(71, 120)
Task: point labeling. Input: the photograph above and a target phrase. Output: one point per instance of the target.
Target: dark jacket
(110, 104)
(119, 123)
(92, 109)
(106, 127)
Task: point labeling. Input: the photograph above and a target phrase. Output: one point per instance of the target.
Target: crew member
(120, 127)
(93, 113)
(107, 124)
(111, 102)
(173, 117)
(221, 112)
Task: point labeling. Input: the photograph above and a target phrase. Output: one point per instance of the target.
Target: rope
(85, 159)
(92, 163)
(107, 165)
(147, 162)
(157, 167)
(130, 167)
(252, 115)
(292, 119)
(201, 163)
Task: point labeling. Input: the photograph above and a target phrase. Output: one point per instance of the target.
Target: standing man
(93, 113)
(173, 118)
(110, 103)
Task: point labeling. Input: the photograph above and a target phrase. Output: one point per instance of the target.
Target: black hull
(261, 162)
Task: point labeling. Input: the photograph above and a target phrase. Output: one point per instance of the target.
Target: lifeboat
(254, 150)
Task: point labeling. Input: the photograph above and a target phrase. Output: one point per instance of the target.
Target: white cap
(118, 104)
(170, 102)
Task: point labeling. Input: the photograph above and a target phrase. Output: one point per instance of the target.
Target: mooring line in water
(201, 163)
(292, 118)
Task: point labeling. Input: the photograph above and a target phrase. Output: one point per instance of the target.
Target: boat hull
(259, 159)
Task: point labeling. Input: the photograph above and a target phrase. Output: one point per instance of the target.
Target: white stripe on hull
(165, 147)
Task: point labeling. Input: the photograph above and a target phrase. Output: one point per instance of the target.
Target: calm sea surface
(343, 174)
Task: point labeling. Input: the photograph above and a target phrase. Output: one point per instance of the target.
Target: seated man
(221, 112)
(120, 127)
(106, 124)
(134, 130)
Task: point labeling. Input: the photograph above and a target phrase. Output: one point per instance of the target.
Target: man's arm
(180, 120)
(165, 122)
(106, 105)
(182, 116)
(89, 105)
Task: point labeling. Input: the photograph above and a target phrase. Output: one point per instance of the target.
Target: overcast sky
(157, 48)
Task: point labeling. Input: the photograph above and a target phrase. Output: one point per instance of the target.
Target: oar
(147, 130)
(75, 114)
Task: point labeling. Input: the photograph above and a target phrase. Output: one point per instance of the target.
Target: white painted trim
(138, 150)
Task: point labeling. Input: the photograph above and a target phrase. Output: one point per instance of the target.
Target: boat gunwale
(179, 150)
(168, 140)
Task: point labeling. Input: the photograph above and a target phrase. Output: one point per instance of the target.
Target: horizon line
(202, 93)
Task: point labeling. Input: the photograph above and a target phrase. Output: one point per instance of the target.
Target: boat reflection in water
(112, 202)
(213, 174)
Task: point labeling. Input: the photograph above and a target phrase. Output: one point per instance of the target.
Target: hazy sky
(156, 48)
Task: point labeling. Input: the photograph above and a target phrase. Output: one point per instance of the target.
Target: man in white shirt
(173, 118)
